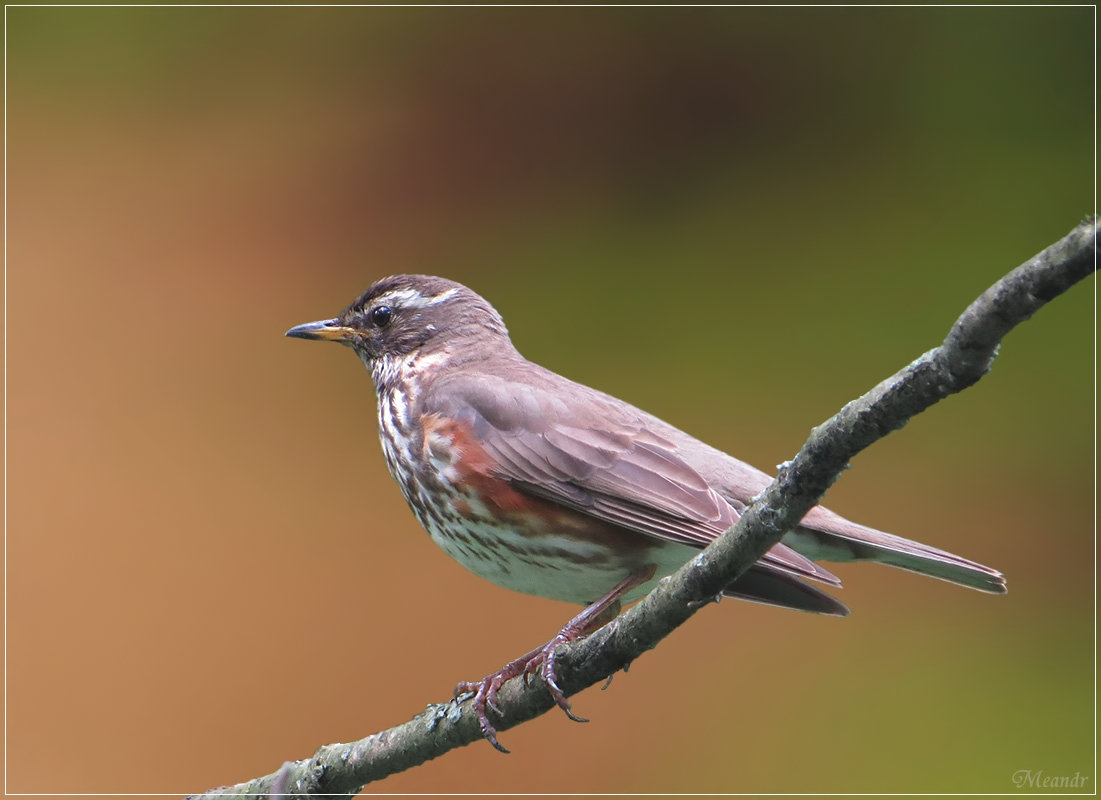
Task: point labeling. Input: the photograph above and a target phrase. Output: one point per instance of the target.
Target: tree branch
(964, 357)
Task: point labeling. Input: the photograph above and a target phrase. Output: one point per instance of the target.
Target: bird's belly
(518, 540)
(538, 547)
(567, 556)
(554, 566)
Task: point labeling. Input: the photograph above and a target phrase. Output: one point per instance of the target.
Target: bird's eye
(382, 316)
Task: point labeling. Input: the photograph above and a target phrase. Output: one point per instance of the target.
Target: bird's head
(405, 315)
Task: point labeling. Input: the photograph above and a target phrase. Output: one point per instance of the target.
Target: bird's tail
(825, 536)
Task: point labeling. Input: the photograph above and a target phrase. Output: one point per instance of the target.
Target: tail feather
(826, 536)
(777, 587)
(787, 560)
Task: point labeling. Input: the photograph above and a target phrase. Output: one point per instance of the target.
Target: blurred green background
(737, 218)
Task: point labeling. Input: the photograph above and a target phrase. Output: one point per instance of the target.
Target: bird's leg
(543, 660)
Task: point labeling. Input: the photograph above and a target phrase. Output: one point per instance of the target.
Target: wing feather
(598, 458)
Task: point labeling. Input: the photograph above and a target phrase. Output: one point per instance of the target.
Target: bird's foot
(541, 660)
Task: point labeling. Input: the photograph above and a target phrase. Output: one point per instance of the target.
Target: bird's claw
(485, 697)
(550, 678)
(541, 661)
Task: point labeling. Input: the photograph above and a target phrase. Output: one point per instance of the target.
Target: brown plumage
(549, 487)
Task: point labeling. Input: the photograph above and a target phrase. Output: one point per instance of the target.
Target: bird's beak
(328, 329)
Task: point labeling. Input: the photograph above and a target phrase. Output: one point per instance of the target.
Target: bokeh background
(737, 218)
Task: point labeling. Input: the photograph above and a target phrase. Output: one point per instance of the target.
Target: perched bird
(549, 487)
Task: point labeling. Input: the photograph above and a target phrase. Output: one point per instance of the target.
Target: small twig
(965, 356)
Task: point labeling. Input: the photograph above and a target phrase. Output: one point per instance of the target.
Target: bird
(552, 488)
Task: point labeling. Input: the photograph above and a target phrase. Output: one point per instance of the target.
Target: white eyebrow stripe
(411, 298)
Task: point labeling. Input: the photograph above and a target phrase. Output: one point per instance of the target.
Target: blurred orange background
(737, 218)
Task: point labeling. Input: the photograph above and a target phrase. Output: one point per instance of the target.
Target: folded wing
(598, 458)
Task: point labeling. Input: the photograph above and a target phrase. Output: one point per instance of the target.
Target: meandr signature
(1038, 779)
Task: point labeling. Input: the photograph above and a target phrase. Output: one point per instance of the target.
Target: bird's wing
(590, 453)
